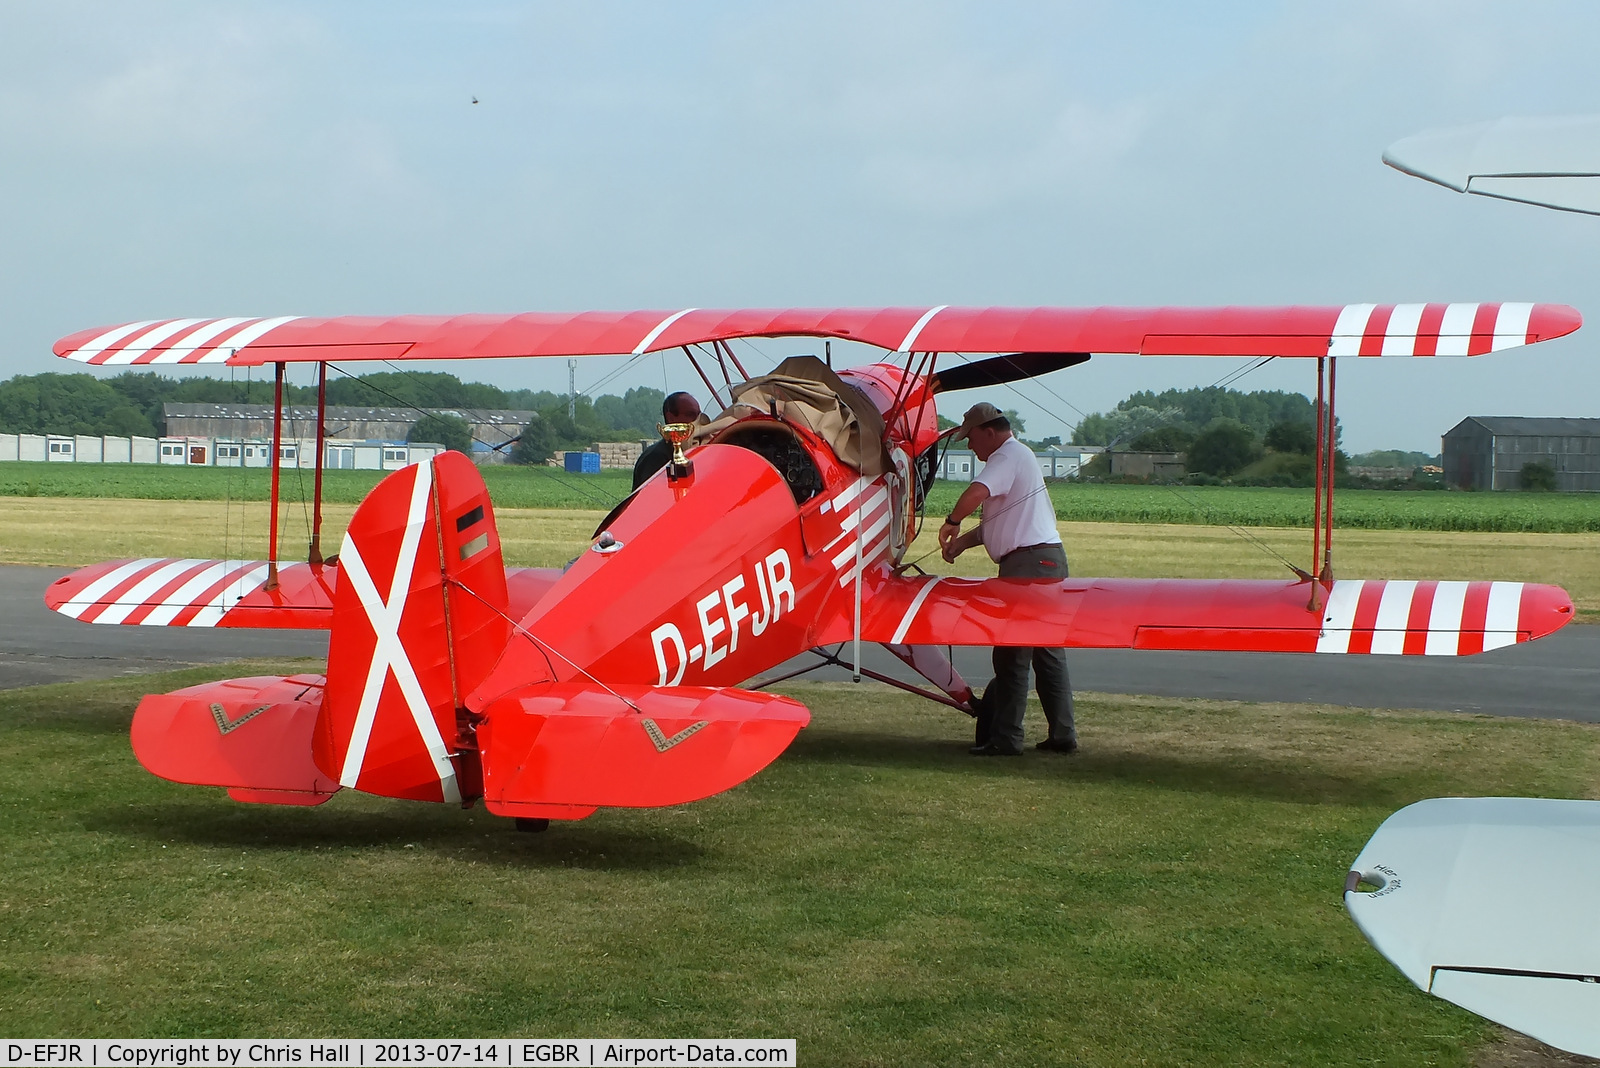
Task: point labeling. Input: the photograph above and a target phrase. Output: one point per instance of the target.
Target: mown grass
(71, 532)
(1171, 895)
(547, 488)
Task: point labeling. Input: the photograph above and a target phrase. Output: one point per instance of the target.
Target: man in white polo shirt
(1018, 529)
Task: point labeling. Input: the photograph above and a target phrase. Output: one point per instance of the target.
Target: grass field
(1169, 896)
(535, 487)
(70, 532)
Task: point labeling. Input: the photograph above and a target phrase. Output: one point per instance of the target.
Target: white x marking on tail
(389, 655)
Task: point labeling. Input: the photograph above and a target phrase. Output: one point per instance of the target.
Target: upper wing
(165, 592)
(1234, 615)
(1336, 330)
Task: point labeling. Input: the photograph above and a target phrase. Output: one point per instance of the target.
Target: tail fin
(419, 618)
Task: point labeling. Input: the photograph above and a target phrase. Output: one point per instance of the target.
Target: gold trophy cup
(676, 434)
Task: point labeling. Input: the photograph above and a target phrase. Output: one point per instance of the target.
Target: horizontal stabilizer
(252, 736)
(1488, 902)
(1232, 615)
(169, 592)
(631, 746)
(1437, 329)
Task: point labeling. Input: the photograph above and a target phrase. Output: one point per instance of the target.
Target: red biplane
(548, 693)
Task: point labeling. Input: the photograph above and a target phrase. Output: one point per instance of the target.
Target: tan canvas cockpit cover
(804, 391)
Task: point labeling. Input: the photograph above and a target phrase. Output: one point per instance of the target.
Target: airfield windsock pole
(277, 458)
(315, 555)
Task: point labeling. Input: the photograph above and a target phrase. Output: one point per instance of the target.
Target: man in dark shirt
(677, 408)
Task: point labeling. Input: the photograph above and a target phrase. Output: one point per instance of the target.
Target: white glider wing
(1491, 903)
(1552, 162)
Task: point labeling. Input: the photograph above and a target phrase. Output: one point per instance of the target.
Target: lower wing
(1235, 615)
(166, 592)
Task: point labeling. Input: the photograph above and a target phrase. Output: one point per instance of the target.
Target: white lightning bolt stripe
(848, 494)
(856, 517)
(847, 557)
(878, 548)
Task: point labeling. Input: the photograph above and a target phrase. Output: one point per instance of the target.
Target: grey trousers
(1006, 698)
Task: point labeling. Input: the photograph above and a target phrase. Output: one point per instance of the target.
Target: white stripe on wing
(1511, 326)
(135, 350)
(1400, 339)
(1505, 608)
(87, 353)
(1455, 330)
(1349, 330)
(134, 596)
(1339, 615)
(1444, 620)
(243, 339)
(1389, 632)
(911, 611)
(92, 593)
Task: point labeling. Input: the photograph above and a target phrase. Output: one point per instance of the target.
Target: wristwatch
(952, 521)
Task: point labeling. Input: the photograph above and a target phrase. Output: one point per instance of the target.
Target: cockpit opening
(777, 444)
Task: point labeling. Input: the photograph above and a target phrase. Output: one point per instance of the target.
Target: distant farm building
(253, 422)
(1162, 466)
(1488, 452)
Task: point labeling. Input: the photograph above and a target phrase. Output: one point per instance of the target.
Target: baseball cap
(977, 415)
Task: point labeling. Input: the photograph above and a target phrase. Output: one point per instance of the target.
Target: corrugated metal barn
(254, 421)
(1487, 452)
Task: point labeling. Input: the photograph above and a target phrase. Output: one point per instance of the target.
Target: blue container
(583, 463)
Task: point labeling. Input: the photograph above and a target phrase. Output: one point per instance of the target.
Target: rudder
(419, 618)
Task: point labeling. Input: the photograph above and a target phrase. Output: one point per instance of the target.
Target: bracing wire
(1232, 376)
(546, 472)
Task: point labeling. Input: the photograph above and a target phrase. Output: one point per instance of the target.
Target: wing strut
(1322, 496)
(314, 555)
(277, 460)
(696, 365)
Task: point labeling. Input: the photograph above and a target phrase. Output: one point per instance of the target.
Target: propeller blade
(1000, 369)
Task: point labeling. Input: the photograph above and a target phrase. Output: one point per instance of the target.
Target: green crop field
(1170, 895)
(540, 487)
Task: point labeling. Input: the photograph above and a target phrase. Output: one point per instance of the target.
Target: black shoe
(992, 750)
(1056, 745)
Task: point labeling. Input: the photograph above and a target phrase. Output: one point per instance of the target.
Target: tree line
(132, 404)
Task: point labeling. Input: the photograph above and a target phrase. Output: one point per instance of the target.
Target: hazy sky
(206, 159)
